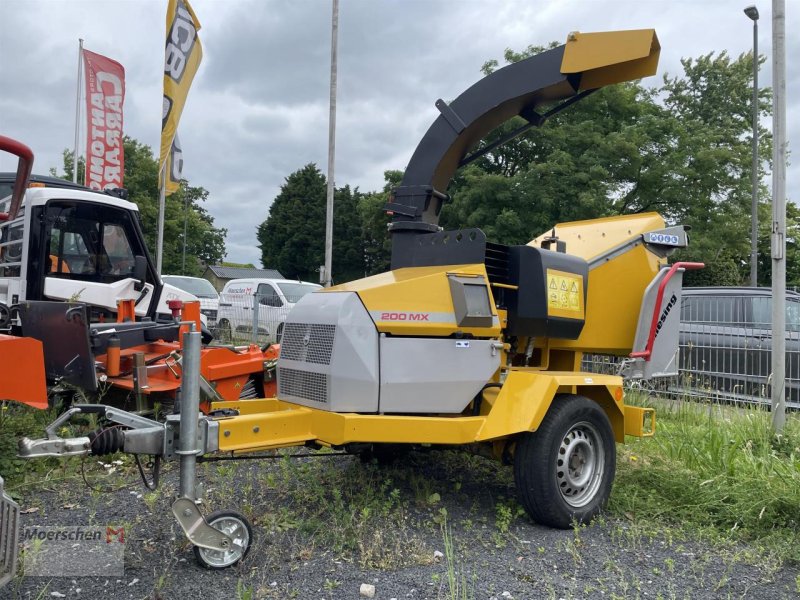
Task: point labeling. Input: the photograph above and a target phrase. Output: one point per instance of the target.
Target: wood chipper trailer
(464, 342)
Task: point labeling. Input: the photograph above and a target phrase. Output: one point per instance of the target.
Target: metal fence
(722, 357)
(251, 318)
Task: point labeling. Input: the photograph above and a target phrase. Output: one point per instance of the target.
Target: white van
(202, 289)
(272, 298)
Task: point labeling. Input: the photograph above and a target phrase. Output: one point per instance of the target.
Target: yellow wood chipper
(464, 342)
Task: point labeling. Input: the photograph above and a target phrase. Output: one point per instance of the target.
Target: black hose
(476, 402)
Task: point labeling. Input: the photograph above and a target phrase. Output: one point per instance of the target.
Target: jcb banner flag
(105, 94)
(181, 60)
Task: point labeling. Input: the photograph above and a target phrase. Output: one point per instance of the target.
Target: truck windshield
(295, 291)
(92, 243)
(201, 288)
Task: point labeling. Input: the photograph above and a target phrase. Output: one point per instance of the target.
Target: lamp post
(752, 13)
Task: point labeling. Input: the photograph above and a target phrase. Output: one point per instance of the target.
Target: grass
(18, 420)
(718, 470)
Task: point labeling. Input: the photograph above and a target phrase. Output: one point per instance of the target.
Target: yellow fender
(521, 404)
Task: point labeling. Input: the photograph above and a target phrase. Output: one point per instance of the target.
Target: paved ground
(324, 527)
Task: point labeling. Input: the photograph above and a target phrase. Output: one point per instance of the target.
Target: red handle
(688, 266)
(24, 168)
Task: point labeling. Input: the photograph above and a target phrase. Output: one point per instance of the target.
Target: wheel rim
(236, 530)
(580, 464)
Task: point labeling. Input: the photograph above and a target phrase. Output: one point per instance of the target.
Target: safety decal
(564, 292)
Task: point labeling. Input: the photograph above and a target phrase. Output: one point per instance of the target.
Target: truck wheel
(237, 527)
(224, 332)
(564, 470)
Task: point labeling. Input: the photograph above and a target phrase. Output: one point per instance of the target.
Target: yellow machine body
(519, 406)
(620, 268)
(416, 304)
(417, 301)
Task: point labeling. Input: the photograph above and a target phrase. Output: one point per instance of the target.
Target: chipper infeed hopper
(464, 341)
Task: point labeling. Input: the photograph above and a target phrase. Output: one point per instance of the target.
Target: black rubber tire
(205, 557)
(573, 426)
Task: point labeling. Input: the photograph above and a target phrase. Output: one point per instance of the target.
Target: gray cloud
(258, 109)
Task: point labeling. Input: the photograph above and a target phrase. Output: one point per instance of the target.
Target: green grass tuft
(716, 469)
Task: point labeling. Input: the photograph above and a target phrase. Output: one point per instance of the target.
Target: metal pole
(185, 218)
(77, 112)
(331, 147)
(190, 413)
(754, 204)
(162, 202)
(779, 215)
(256, 298)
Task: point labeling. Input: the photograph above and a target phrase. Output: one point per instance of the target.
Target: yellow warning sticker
(564, 294)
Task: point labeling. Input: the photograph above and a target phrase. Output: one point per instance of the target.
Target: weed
(458, 586)
(244, 592)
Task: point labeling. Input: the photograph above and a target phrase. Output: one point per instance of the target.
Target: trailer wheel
(237, 527)
(564, 470)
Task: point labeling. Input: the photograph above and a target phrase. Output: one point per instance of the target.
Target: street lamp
(752, 13)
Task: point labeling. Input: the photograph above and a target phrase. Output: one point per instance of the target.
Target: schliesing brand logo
(399, 316)
(672, 302)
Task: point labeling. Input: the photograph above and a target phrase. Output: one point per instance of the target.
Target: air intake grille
(9, 534)
(303, 384)
(308, 342)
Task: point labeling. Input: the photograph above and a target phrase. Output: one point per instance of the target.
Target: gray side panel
(422, 375)
(664, 355)
(329, 354)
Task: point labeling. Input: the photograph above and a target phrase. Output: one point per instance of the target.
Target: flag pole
(77, 113)
(162, 201)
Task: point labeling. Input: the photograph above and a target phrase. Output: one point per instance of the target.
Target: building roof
(243, 272)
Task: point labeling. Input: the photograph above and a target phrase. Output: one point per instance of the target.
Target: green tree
(374, 223)
(205, 243)
(682, 149)
(292, 238)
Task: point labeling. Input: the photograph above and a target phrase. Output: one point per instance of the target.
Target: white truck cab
(271, 298)
(82, 246)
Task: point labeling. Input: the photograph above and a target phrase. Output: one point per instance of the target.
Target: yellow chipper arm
(463, 341)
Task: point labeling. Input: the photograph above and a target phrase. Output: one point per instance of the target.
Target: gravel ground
(325, 527)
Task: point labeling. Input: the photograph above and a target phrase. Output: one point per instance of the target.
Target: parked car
(272, 298)
(203, 290)
(726, 343)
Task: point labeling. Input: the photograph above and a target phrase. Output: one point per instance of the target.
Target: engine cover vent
(308, 342)
(304, 384)
(329, 354)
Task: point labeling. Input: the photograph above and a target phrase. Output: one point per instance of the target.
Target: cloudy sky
(258, 109)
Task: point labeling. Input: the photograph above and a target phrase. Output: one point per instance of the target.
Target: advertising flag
(105, 94)
(181, 60)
